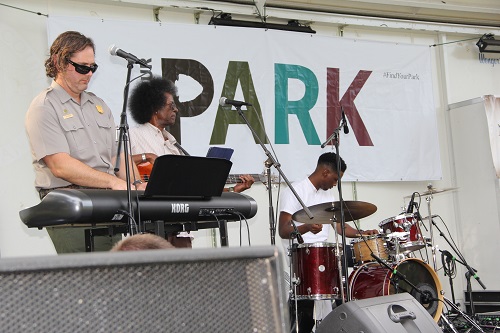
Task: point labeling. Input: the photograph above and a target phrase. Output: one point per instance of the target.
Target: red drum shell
(406, 222)
(373, 280)
(315, 265)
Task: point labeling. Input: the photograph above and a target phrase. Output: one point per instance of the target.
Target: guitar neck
(233, 179)
(145, 172)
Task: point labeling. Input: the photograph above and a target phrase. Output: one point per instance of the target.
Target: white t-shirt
(310, 196)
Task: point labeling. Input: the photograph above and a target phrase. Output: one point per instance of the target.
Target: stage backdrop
(298, 85)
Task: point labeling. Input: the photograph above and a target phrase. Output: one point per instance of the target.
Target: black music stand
(183, 176)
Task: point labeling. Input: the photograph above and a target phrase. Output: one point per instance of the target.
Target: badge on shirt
(67, 115)
(99, 109)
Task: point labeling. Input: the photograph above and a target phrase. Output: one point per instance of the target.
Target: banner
(298, 84)
(492, 109)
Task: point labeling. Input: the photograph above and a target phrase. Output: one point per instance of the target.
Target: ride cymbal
(432, 191)
(325, 213)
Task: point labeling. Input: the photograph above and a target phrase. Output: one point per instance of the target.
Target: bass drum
(372, 280)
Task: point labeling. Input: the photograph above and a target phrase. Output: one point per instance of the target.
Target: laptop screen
(220, 152)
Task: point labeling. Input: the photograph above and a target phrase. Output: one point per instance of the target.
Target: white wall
(458, 76)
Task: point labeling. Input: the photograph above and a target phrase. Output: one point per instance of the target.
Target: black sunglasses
(82, 69)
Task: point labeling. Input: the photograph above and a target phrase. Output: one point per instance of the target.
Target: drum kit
(383, 264)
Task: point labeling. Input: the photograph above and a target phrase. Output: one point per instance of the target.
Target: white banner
(298, 83)
(492, 109)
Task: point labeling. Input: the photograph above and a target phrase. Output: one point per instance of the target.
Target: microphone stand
(447, 270)
(341, 259)
(425, 297)
(123, 137)
(271, 161)
(470, 271)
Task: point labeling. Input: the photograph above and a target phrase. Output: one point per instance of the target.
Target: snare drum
(363, 248)
(372, 280)
(314, 265)
(406, 222)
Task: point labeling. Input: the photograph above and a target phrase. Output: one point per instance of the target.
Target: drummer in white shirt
(312, 190)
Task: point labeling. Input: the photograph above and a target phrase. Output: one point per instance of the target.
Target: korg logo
(180, 208)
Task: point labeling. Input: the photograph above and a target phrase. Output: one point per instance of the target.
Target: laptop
(183, 176)
(220, 152)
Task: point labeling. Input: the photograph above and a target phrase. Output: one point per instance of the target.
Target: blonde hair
(142, 242)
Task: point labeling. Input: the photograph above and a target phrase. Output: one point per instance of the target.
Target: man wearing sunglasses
(72, 134)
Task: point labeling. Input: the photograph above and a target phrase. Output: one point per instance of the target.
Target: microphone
(113, 50)
(223, 101)
(299, 236)
(344, 121)
(411, 204)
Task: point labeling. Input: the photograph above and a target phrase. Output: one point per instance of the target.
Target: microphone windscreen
(112, 49)
(222, 101)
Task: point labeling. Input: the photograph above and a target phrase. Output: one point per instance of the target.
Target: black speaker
(175, 290)
(393, 313)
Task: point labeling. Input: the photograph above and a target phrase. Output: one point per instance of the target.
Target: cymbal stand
(271, 161)
(433, 246)
(339, 258)
(294, 282)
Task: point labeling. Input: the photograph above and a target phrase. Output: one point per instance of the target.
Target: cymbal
(325, 212)
(432, 190)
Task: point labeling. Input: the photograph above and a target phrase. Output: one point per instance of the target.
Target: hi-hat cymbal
(324, 213)
(432, 191)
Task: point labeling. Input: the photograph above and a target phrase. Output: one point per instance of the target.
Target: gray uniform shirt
(56, 123)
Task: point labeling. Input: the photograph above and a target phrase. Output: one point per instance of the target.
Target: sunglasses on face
(82, 69)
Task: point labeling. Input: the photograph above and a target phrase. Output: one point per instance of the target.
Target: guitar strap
(176, 144)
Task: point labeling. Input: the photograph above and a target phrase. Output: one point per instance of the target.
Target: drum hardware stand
(334, 137)
(294, 281)
(339, 260)
(397, 256)
(271, 161)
